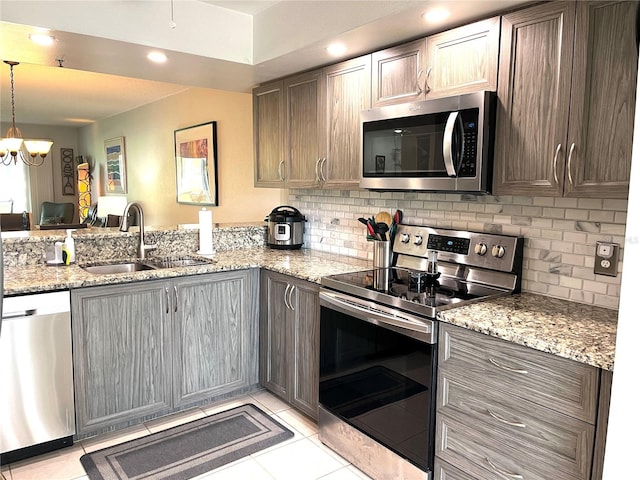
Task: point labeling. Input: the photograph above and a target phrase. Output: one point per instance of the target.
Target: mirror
(196, 164)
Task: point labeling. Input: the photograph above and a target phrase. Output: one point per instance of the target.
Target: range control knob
(405, 238)
(481, 248)
(417, 240)
(497, 251)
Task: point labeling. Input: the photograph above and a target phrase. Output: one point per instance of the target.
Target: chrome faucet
(124, 227)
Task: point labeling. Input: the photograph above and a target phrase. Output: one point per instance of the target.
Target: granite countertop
(579, 332)
(583, 333)
(305, 264)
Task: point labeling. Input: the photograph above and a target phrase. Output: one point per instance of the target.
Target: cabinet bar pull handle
(515, 476)
(418, 82)
(508, 369)
(555, 163)
(280, 165)
(286, 291)
(175, 297)
(166, 294)
(427, 88)
(324, 179)
(573, 147)
(507, 422)
(318, 173)
(293, 287)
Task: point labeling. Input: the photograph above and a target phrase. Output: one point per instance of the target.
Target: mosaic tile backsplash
(560, 233)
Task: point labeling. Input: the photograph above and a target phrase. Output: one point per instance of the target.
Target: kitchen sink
(148, 264)
(128, 267)
(176, 262)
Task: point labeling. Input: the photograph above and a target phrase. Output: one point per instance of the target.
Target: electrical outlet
(606, 259)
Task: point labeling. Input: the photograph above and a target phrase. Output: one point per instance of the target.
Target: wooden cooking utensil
(384, 217)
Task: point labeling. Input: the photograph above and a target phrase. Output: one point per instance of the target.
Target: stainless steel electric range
(378, 343)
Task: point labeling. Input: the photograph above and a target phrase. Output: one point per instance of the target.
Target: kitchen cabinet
(460, 60)
(566, 94)
(505, 410)
(149, 348)
(348, 91)
(214, 336)
(268, 135)
(289, 340)
(463, 59)
(121, 354)
(398, 74)
(307, 127)
(289, 132)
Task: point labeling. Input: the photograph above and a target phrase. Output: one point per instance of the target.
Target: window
(14, 185)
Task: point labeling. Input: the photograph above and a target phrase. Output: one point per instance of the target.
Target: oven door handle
(392, 319)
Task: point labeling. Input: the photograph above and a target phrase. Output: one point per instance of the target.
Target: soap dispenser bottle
(69, 249)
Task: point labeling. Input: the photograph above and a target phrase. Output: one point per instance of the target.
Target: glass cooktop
(411, 290)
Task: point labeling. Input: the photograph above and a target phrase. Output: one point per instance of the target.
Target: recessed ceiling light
(157, 57)
(336, 49)
(436, 15)
(41, 39)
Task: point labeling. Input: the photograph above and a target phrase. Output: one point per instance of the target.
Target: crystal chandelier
(13, 146)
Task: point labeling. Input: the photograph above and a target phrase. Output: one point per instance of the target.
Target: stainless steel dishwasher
(36, 405)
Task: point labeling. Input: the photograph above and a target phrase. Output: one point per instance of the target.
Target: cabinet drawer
(535, 434)
(492, 455)
(444, 471)
(491, 364)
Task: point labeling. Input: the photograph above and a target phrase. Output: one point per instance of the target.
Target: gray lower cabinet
(214, 349)
(145, 349)
(289, 340)
(507, 411)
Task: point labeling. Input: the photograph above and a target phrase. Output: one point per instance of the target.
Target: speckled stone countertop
(579, 332)
(305, 264)
(571, 330)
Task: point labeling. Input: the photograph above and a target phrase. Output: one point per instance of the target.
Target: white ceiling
(228, 45)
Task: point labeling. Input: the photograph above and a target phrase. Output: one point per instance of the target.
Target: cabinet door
(602, 100)
(398, 74)
(348, 91)
(305, 348)
(121, 354)
(534, 81)
(268, 134)
(304, 137)
(463, 59)
(273, 333)
(212, 335)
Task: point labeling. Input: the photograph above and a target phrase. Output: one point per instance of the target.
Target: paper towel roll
(206, 235)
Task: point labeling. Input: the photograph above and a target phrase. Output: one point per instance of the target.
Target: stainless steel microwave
(440, 145)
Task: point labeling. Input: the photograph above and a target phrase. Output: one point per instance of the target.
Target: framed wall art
(116, 166)
(68, 171)
(196, 150)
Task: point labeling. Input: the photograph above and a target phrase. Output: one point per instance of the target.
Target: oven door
(378, 374)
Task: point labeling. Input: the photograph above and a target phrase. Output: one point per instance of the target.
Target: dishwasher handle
(36, 304)
(19, 314)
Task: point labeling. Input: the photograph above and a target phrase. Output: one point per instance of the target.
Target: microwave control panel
(467, 166)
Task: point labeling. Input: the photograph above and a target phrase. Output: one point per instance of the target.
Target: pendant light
(11, 147)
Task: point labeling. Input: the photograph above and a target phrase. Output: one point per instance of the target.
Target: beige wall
(149, 148)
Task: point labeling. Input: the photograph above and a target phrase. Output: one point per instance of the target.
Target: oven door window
(380, 382)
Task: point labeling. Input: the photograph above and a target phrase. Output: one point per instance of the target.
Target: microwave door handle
(448, 142)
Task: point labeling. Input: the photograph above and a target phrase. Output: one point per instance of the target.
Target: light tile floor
(303, 457)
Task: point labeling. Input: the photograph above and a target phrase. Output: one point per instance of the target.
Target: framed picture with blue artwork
(116, 166)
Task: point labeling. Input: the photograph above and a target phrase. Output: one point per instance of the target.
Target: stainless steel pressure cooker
(286, 228)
